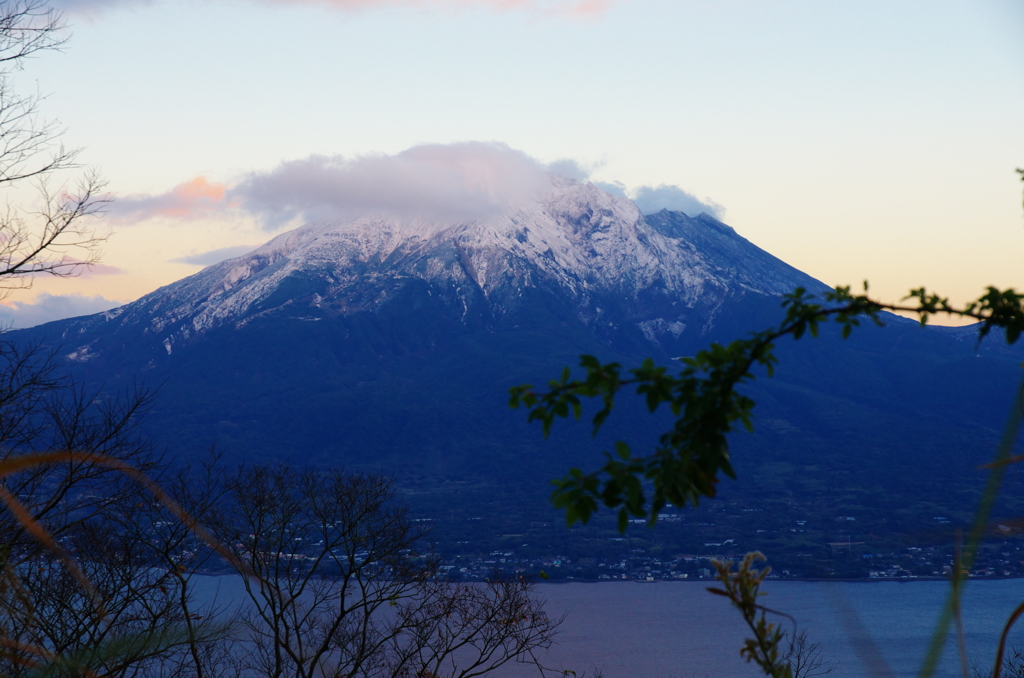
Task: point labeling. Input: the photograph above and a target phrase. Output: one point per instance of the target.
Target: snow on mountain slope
(574, 238)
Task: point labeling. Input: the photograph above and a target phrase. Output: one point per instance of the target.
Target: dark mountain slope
(390, 345)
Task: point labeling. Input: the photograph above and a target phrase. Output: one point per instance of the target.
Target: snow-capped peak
(572, 237)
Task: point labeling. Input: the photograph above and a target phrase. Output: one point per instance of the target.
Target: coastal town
(995, 561)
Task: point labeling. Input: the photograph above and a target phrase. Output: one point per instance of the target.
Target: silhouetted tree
(340, 588)
(45, 227)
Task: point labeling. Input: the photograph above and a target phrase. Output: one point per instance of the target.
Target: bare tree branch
(57, 236)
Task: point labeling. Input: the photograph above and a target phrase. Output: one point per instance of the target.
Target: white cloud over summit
(463, 181)
(650, 199)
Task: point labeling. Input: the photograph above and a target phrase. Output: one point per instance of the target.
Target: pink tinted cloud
(91, 270)
(589, 7)
(80, 269)
(83, 269)
(192, 199)
(576, 8)
(568, 7)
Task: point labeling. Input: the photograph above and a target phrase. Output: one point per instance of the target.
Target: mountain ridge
(577, 238)
(395, 353)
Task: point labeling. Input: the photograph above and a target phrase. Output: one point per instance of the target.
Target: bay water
(876, 629)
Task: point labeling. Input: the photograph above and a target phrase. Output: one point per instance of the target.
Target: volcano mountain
(390, 343)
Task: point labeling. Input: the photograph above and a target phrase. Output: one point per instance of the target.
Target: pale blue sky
(852, 139)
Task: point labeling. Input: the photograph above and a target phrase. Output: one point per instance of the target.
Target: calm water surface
(665, 629)
(678, 629)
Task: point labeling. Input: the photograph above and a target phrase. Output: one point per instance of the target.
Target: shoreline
(866, 580)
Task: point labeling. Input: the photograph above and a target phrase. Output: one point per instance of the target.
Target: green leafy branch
(687, 463)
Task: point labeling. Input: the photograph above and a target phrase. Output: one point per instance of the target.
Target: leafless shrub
(340, 589)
